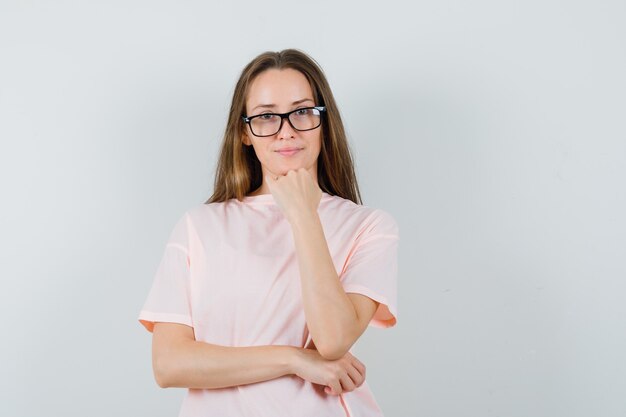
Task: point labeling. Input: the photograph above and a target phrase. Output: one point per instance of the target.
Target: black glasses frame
(284, 116)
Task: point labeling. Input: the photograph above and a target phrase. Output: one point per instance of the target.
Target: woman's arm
(178, 360)
(181, 361)
(335, 318)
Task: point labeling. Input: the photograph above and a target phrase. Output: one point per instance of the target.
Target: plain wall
(493, 132)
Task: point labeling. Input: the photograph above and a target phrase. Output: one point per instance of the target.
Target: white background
(493, 131)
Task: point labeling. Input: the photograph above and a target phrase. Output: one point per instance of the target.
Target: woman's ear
(245, 139)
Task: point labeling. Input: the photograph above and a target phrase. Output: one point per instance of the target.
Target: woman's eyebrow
(274, 105)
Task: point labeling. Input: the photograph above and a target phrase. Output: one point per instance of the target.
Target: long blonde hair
(238, 170)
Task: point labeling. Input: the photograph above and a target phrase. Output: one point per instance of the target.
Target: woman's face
(280, 91)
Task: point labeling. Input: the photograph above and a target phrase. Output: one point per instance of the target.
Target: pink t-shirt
(230, 271)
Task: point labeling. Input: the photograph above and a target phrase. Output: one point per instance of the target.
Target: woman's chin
(283, 169)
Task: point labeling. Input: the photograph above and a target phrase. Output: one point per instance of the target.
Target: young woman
(265, 287)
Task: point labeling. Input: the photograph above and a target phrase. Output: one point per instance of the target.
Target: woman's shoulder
(371, 215)
(197, 214)
(203, 208)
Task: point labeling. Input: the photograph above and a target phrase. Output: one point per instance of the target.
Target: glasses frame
(284, 116)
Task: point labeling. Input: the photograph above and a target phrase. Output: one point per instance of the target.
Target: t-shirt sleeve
(169, 297)
(372, 267)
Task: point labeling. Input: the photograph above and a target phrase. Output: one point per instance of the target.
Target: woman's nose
(286, 130)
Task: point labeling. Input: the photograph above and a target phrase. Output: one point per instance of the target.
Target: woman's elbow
(161, 371)
(332, 352)
(161, 381)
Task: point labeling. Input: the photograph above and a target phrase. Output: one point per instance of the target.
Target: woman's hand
(338, 376)
(296, 193)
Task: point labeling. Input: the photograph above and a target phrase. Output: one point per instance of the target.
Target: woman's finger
(356, 376)
(335, 387)
(347, 383)
(359, 365)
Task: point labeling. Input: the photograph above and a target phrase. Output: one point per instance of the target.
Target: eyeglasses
(268, 124)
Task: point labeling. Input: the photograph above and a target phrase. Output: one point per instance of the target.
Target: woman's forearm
(330, 315)
(193, 364)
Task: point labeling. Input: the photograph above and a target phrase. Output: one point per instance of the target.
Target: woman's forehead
(275, 89)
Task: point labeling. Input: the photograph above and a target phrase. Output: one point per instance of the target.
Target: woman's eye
(302, 112)
(266, 116)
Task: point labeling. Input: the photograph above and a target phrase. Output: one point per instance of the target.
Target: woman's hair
(238, 170)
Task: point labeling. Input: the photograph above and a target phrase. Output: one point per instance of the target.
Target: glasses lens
(305, 119)
(265, 125)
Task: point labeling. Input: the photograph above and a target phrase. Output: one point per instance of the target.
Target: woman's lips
(288, 152)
